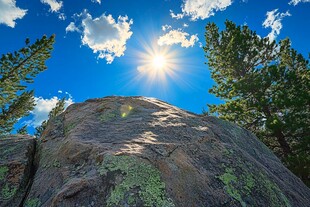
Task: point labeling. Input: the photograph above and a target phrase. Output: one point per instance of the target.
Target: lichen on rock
(136, 152)
(3, 172)
(108, 116)
(8, 191)
(16, 165)
(240, 185)
(135, 174)
(33, 202)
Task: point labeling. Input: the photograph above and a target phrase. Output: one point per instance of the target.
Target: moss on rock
(138, 175)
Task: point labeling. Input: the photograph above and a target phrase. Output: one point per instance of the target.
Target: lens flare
(125, 110)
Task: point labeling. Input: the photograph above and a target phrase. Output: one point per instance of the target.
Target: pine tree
(266, 88)
(57, 110)
(17, 70)
(22, 130)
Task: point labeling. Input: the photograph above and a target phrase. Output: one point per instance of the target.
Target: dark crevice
(33, 169)
(172, 151)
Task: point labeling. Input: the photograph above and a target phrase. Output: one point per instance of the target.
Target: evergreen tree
(266, 89)
(58, 109)
(16, 71)
(22, 130)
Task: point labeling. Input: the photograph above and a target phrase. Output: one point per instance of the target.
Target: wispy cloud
(55, 6)
(96, 1)
(42, 109)
(273, 21)
(9, 12)
(201, 9)
(178, 37)
(62, 16)
(72, 28)
(176, 16)
(295, 2)
(104, 35)
(166, 27)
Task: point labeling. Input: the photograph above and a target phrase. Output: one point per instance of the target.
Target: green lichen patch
(3, 172)
(245, 184)
(69, 127)
(275, 194)
(8, 191)
(136, 174)
(108, 116)
(230, 181)
(9, 150)
(56, 163)
(227, 152)
(34, 202)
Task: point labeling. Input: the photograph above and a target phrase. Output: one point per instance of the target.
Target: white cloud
(178, 37)
(166, 27)
(96, 1)
(295, 2)
(72, 28)
(185, 25)
(273, 21)
(62, 16)
(104, 35)
(69, 95)
(201, 9)
(9, 12)
(55, 6)
(176, 16)
(42, 109)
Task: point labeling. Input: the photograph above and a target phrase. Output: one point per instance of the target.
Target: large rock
(16, 169)
(137, 151)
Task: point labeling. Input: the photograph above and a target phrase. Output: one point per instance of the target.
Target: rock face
(135, 151)
(16, 169)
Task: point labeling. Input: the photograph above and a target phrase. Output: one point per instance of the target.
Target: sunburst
(157, 63)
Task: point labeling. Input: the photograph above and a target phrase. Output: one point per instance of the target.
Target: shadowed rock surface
(16, 168)
(136, 151)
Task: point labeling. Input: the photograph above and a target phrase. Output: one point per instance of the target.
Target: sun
(157, 65)
(159, 62)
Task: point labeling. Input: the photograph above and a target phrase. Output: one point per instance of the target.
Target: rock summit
(137, 151)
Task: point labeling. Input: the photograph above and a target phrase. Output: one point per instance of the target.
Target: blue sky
(108, 47)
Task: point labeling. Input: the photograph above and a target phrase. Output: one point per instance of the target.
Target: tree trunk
(283, 143)
(286, 149)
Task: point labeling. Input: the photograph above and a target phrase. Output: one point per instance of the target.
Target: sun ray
(157, 64)
(159, 68)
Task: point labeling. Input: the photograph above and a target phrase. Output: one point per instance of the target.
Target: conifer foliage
(17, 70)
(266, 88)
(57, 110)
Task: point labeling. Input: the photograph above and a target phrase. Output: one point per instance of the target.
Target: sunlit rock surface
(136, 151)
